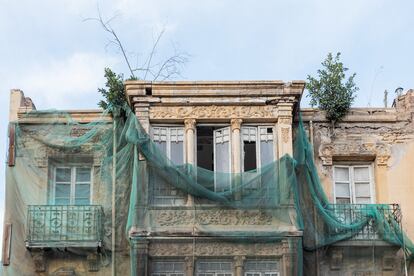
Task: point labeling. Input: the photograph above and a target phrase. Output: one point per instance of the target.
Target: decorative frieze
(203, 249)
(213, 112)
(213, 217)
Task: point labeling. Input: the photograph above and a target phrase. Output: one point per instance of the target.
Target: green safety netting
(275, 203)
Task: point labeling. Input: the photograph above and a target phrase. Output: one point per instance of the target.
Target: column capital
(239, 261)
(190, 123)
(236, 124)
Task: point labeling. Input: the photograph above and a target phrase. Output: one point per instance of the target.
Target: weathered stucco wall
(384, 138)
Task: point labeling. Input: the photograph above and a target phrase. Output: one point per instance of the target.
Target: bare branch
(108, 28)
(154, 47)
(164, 69)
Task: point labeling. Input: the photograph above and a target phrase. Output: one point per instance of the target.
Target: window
(258, 147)
(214, 151)
(353, 184)
(261, 268)
(257, 151)
(214, 268)
(167, 268)
(222, 159)
(72, 185)
(170, 141)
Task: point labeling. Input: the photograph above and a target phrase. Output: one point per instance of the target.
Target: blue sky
(57, 59)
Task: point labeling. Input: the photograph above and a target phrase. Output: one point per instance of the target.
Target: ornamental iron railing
(51, 226)
(352, 214)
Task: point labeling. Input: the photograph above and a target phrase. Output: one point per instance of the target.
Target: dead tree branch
(167, 69)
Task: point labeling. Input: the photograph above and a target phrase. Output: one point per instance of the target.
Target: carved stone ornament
(381, 151)
(285, 134)
(190, 124)
(215, 249)
(213, 112)
(285, 120)
(93, 262)
(213, 217)
(39, 260)
(236, 124)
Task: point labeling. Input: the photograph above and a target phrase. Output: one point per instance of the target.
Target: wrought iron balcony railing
(51, 226)
(348, 214)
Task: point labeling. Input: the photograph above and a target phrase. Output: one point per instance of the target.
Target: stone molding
(380, 151)
(208, 249)
(213, 217)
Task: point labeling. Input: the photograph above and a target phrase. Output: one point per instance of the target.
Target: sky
(57, 57)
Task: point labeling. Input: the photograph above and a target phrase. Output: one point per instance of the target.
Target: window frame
(351, 177)
(152, 196)
(167, 273)
(72, 167)
(168, 141)
(261, 272)
(197, 272)
(258, 141)
(229, 154)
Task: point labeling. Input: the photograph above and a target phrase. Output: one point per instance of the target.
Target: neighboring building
(224, 127)
(368, 158)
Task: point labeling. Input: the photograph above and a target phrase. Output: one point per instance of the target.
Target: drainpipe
(113, 196)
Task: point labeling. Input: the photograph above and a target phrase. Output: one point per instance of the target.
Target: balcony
(354, 213)
(52, 226)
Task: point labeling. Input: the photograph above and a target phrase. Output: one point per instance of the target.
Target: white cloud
(59, 83)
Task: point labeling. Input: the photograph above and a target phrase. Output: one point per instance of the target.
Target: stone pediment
(354, 150)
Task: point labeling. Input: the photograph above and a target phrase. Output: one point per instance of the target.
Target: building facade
(225, 127)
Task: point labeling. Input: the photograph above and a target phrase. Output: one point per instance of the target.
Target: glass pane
(222, 157)
(342, 190)
(341, 174)
(361, 174)
(249, 149)
(62, 190)
(62, 201)
(63, 174)
(168, 267)
(162, 146)
(83, 174)
(363, 200)
(249, 134)
(82, 201)
(82, 191)
(343, 200)
(177, 152)
(362, 190)
(261, 265)
(266, 152)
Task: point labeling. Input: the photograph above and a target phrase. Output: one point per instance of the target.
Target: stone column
(284, 129)
(190, 129)
(287, 259)
(189, 265)
(238, 265)
(141, 248)
(236, 153)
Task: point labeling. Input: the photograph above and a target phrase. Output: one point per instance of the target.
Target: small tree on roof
(330, 91)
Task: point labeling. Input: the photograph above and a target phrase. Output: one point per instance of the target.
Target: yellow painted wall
(400, 183)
